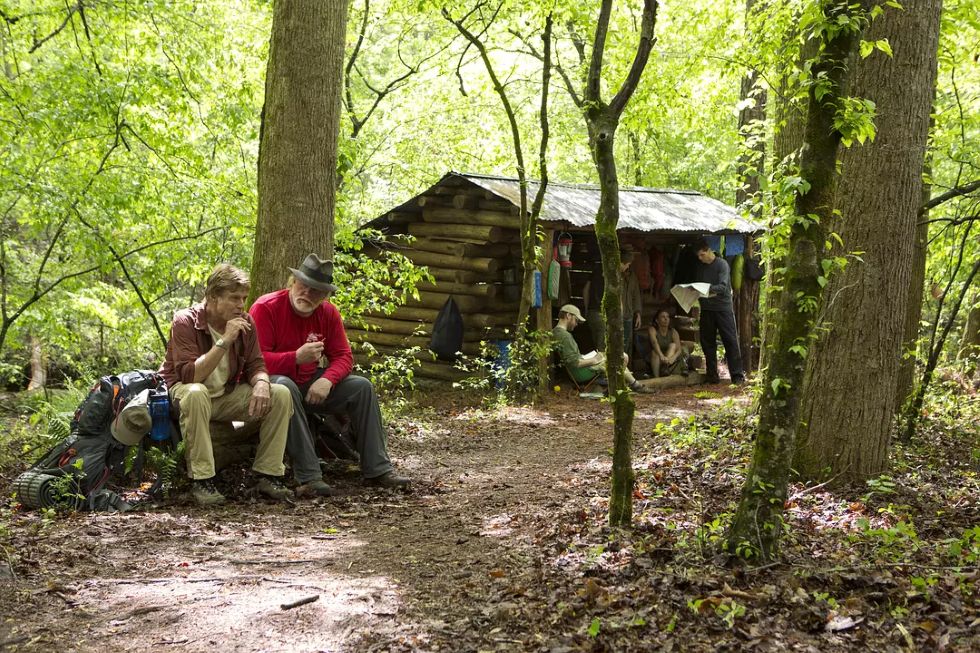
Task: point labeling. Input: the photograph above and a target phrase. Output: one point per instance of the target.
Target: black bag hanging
(447, 332)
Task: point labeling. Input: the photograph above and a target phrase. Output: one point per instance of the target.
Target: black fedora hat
(316, 272)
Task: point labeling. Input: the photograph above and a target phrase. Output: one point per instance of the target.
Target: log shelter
(464, 228)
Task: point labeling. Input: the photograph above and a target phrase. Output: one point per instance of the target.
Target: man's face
(305, 299)
(228, 306)
(706, 256)
(572, 322)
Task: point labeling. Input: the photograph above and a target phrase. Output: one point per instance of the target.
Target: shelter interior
(465, 229)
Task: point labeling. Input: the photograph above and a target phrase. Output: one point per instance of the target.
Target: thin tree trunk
(790, 123)
(845, 419)
(298, 140)
(602, 120)
(758, 520)
(970, 343)
(905, 379)
(751, 169)
(39, 366)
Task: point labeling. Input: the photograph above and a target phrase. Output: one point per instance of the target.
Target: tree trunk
(790, 122)
(905, 379)
(845, 419)
(970, 344)
(39, 366)
(602, 120)
(751, 168)
(298, 141)
(758, 520)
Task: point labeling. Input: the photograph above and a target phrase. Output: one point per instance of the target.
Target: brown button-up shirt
(190, 339)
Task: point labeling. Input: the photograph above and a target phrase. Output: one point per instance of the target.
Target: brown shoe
(272, 487)
(390, 480)
(315, 488)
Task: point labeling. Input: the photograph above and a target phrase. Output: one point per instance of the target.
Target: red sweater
(282, 331)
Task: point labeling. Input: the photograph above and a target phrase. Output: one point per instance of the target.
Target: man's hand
(636, 320)
(235, 327)
(260, 402)
(318, 392)
(309, 353)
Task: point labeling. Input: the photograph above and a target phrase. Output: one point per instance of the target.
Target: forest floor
(502, 546)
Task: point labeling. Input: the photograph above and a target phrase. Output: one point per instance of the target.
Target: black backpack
(447, 332)
(73, 474)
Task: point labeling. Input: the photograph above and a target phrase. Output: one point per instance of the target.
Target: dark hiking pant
(353, 396)
(711, 324)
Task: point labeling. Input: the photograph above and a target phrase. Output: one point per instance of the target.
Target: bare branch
(640, 60)
(39, 42)
(953, 193)
(593, 80)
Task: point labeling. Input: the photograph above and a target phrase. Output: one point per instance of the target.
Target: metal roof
(642, 209)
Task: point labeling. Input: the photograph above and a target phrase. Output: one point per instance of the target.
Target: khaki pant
(198, 409)
(600, 369)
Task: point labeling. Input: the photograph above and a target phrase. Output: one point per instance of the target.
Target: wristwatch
(220, 342)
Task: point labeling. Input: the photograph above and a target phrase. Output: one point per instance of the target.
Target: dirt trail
(429, 569)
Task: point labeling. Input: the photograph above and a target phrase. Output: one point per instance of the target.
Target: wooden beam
(476, 232)
(429, 315)
(471, 216)
(453, 247)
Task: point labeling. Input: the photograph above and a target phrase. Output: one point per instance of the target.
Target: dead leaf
(838, 623)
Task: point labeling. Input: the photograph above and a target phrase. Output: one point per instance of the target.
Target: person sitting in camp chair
(583, 369)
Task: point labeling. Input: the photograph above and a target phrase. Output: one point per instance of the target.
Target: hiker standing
(717, 314)
(298, 328)
(215, 371)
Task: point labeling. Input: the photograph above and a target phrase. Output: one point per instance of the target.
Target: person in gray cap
(581, 368)
(298, 328)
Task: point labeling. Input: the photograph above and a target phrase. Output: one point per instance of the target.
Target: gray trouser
(353, 396)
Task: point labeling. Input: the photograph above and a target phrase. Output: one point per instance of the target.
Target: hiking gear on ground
(92, 454)
(205, 493)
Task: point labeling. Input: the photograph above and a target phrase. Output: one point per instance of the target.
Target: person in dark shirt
(717, 314)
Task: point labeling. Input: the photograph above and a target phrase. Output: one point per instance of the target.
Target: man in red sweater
(298, 328)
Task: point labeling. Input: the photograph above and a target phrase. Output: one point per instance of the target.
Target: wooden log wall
(469, 240)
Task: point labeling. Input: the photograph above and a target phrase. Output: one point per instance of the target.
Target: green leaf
(594, 627)
(822, 280)
(867, 47)
(884, 46)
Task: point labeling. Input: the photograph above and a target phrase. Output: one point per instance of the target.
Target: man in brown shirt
(215, 371)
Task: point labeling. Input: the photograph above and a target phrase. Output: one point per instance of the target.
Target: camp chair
(581, 386)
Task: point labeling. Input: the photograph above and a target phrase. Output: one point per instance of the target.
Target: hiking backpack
(73, 474)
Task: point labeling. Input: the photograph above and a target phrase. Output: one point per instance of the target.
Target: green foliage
(393, 376)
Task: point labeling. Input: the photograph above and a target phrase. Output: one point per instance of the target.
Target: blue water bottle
(160, 412)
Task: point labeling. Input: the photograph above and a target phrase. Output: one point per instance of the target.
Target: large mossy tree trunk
(758, 519)
(602, 120)
(298, 141)
(848, 397)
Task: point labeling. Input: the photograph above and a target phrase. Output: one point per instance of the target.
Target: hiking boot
(314, 488)
(272, 487)
(639, 388)
(713, 380)
(389, 480)
(205, 493)
(738, 380)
